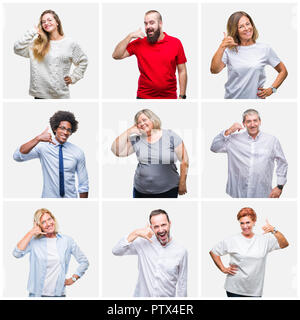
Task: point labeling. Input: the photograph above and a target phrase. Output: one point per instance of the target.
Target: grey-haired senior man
(251, 159)
(162, 261)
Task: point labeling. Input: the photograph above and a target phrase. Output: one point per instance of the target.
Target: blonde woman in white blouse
(51, 55)
(248, 253)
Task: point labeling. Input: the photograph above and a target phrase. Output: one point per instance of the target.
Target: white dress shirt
(74, 161)
(251, 163)
(249, 256)
(162, 269)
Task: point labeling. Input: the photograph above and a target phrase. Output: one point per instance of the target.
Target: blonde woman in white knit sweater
(51, 55)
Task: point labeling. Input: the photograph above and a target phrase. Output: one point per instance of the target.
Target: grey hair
(151, 116)
(250, 111)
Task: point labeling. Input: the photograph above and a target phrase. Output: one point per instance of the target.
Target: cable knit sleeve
(22, 46)
(80, 60)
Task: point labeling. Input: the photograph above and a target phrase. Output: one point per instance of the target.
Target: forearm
(182, 77)
(282, 74)
(184, 165)
(132, 236)
(84, 195)
(23, 243)
(121, 48)
(282, 241)
(217, 260)
(28, 146)
(217, 64)
(121, 146)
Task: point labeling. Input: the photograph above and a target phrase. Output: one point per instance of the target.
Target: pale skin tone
(160, 227)
(245, 33)
(49, 25)
(122, 146)
(247, 224)
(46, 227)
(151, 22)
(62, 134)
(252, 124)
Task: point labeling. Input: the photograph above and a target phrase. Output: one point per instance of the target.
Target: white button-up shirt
(162, 269)
(251, 163)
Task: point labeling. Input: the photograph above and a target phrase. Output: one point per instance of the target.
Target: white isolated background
(277, 26)
(118, 172)
(277, 118)
(120, 218)
(79, 220)
(24, 121)
(180, 20)
(219, 222)
(80, 21)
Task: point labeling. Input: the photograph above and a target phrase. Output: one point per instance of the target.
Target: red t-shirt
(157, 64)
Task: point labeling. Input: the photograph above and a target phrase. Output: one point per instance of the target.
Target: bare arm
(120, 51)
(218, 262)
(122, 147)
(23, 243)
(282, 74)
(182, 78)
(184, 165)
(217, 65)
(282, 241)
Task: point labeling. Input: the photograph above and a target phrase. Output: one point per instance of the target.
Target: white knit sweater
(47, 76)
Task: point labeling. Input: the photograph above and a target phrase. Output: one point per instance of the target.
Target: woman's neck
(247, 42)
(55, 35)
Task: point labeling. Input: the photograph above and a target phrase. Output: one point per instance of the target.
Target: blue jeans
(33, 295)
(173, 193)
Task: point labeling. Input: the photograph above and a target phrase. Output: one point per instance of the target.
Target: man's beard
(163, 243)
(154, 37)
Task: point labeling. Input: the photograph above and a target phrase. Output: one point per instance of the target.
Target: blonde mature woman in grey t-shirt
(157, 151)
(245, 60)
(248, 254)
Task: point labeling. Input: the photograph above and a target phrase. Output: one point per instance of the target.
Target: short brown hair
(157, 212)
(154, 11)
(247, 212)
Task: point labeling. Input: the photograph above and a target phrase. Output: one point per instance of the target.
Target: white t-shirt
(246, 70)
(249, 255)
(53, 268)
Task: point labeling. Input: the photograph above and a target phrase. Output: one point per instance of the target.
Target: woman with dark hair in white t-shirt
(248, 253)
(245, 60)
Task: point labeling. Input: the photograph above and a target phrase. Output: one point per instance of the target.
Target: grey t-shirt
(156, 171)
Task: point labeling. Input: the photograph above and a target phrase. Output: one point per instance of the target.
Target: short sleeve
(131, 48)
(134, 139)
(175, 137)
(272, 58)
(181, 58)
(272, 242)
(221, 248)
(225, 57)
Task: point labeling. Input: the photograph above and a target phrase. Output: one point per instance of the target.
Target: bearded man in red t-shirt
(158, 56)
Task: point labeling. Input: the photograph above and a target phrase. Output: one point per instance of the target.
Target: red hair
(247, 212)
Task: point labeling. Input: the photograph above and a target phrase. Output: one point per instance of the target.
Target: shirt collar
(165, 39)
(57, 144)
(256, 138)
